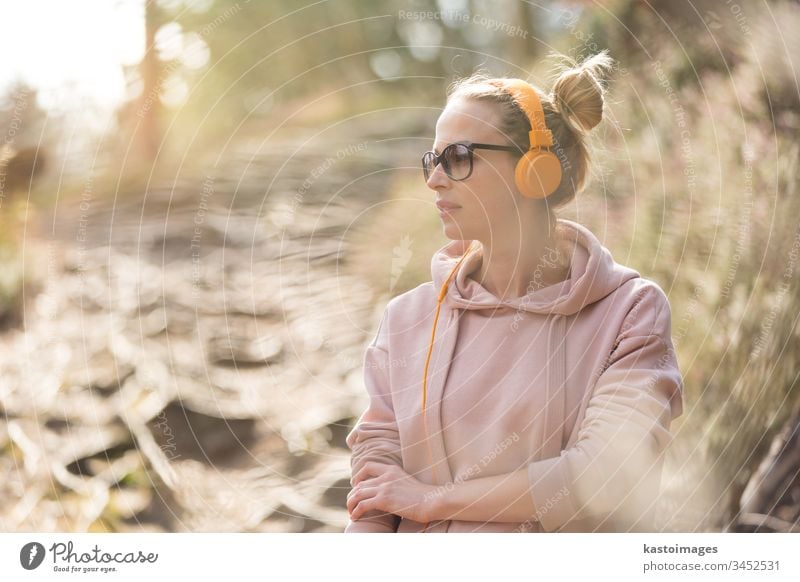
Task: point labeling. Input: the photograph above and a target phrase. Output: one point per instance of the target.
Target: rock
(127, 502)
(183, 433)
(339, 431)
(233, 350)
(170, 321)
(771, 500)
(104, 372)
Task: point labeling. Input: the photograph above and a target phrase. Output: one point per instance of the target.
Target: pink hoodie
(576, 381)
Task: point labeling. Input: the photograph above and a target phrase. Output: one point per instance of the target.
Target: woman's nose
(438, 178)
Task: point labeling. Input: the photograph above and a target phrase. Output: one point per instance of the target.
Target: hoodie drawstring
(556, 402)
(439, 300)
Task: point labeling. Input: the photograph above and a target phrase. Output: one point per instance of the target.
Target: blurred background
(205, 206)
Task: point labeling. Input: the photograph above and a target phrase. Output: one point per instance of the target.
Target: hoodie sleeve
(615, 464)
(375, 436)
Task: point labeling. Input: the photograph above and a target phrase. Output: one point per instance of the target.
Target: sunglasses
(456, 159)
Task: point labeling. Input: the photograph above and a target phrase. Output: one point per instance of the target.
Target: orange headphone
(537, 175)
(538, 172)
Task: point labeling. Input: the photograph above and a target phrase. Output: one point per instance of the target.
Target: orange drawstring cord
(439, 300)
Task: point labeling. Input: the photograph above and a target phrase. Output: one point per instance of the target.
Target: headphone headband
(528, 100)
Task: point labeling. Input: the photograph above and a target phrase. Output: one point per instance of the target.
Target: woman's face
(488, 201)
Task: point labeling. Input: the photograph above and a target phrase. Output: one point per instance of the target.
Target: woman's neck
(513, 267)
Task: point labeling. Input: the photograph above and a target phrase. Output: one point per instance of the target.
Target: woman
(539, 377)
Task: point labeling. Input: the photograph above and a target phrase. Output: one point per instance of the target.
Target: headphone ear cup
(538, 173)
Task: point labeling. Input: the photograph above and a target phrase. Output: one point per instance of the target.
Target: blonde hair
(572, 109)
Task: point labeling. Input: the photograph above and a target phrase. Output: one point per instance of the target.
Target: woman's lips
(443, 206)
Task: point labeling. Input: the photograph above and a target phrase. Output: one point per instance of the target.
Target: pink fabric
(577, 381)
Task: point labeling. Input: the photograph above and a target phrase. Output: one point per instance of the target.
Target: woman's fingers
(371, 469)
(353, 497)
(368, 482)
(359, 493)
(364, 506)
(367, 471)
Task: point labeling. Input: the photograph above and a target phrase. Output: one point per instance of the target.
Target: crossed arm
(388, 488)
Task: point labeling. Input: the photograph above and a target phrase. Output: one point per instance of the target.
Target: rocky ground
(193, 359)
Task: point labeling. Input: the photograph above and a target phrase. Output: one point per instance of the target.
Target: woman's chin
(455, 229)
(453, 232)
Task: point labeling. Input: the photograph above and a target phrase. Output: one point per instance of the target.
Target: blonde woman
(540, 378)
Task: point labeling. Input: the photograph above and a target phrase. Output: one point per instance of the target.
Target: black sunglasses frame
(440, 159)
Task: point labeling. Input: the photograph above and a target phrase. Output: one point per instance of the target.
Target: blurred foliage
(231, 66)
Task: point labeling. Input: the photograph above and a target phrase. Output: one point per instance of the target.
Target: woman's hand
(390, 489)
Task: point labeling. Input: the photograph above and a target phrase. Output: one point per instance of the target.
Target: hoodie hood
(593, 275)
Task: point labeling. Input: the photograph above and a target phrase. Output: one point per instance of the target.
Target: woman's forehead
(465, 120)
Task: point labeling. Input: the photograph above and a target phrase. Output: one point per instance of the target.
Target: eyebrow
(462, 141)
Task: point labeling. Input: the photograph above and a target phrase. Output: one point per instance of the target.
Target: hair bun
(578, 92)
